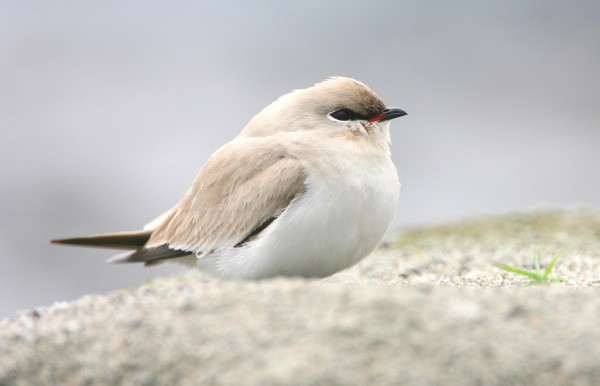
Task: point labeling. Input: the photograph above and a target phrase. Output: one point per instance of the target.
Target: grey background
(108, 110)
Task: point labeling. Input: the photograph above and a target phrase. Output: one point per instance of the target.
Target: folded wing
(237, 194)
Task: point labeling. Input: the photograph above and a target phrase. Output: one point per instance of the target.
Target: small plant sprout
(537, 275)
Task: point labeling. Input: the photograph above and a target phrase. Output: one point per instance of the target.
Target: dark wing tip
(121, 240)
(149, 256)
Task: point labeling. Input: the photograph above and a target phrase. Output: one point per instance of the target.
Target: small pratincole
(308, 188)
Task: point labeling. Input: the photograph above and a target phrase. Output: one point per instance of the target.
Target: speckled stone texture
(429, 309)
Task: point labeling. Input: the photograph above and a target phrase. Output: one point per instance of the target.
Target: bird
(307, 189)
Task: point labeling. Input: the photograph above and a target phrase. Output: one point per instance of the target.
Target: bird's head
(336, 105)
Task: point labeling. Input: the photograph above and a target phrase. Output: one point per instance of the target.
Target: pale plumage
(307, 189)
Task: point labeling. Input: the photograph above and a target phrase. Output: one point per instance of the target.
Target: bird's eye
(342, 114)
(346, 114)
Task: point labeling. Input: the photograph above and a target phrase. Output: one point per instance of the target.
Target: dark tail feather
(130, 240)
(121, 240)
(149, 256)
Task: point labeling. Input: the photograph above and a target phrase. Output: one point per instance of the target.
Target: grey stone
(429, 309)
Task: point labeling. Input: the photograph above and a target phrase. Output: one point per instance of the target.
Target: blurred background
(109, 109)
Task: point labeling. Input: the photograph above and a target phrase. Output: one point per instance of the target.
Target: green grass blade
(550, 266)
(532, 275)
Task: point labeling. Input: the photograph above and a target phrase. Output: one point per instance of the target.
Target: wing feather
(244, 184)
(120, 240)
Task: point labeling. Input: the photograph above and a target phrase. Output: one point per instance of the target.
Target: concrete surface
(428, 309)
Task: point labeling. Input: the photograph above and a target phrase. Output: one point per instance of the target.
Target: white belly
(338, 221)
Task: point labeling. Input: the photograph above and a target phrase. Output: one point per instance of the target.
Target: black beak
(387, 114)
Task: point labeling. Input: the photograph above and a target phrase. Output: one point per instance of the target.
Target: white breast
(342, 216)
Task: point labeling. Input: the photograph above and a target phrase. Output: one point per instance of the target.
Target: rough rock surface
(429, 309)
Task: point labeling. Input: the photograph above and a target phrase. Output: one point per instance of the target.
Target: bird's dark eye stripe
(346, 114)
